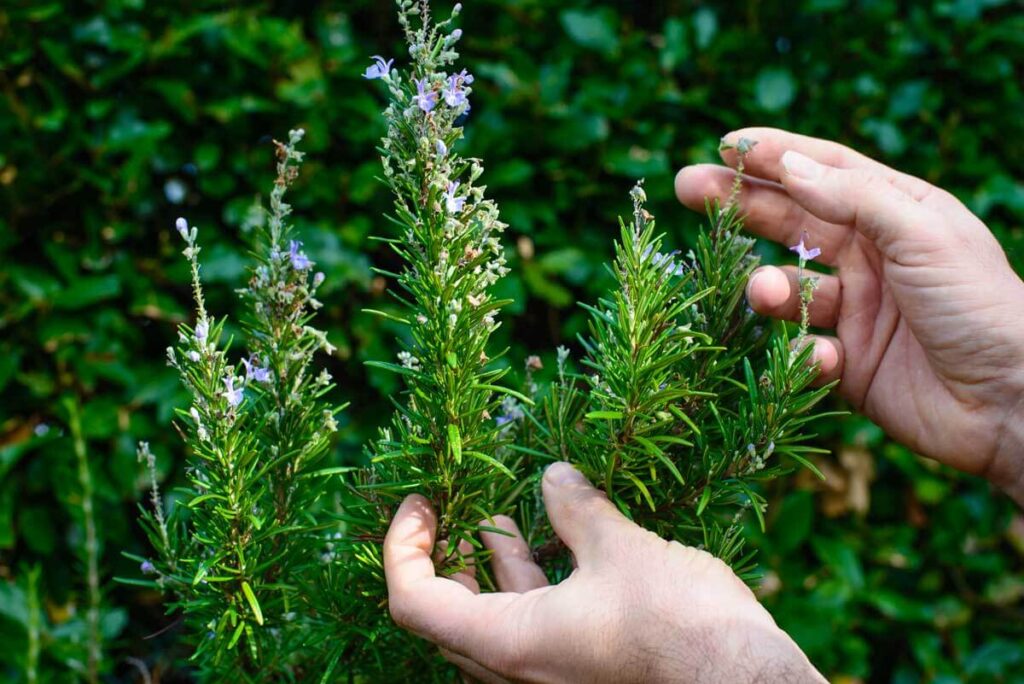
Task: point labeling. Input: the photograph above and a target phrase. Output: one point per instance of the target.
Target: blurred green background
(116, 117)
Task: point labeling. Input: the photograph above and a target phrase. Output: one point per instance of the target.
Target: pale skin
(929, 343)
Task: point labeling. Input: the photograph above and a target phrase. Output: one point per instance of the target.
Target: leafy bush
(118, 120)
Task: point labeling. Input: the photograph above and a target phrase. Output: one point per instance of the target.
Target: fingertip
(768, 289)
(825, 355)
(695, 184)
(416, 506)
(502, 522)
(562, 473)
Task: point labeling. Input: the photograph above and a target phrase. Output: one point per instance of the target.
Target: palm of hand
(909, 333)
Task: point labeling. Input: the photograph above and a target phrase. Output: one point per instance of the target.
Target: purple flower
(147, 568)
(379, 69)
(425, 100)
(465, 77)
(801, 249)
(202, 330)
(254, 372)
(502, 420)
(454, 95)
(231, 393)
(454, 204)
(300, 262)
(182, 225)
(442, 149)
(456, 34)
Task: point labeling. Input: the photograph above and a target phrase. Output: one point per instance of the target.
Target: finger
(775, 292)
(767, 208)
(465, 576)
(581, 515)
(436, 608)
(512, 561)
(898, 225)
(765, 159)
(828, 355)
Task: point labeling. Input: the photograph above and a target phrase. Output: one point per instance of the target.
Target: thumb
(581, 515)
(862, 198)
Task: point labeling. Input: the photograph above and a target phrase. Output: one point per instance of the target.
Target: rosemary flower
(379, 69)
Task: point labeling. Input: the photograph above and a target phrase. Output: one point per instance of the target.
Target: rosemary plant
(243, 552)
(689, 401)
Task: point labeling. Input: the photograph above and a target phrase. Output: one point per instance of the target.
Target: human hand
(928, 313)
(636, 609)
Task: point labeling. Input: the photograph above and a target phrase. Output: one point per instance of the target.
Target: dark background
(116, 117)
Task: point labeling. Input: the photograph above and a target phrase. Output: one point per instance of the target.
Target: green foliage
(116, 121)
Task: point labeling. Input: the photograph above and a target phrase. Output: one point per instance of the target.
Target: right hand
(636, 609)
(928, 313)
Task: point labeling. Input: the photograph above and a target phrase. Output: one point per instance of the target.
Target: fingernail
(801, 166)
(562, 473)
(750, 283)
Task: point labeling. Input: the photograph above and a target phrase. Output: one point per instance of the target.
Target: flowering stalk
(807, 283)
(451, 435)
(443, 436)
(242, 554)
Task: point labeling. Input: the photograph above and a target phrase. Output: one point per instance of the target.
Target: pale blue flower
(147, 568)
(454, 95)
(805, 254)
(379, 69)
(231, 393)
(452, 203)
(202, 330)
(254, 372)
(424, 99)
(300, 262)
(442, 149)
(672, 267)
(182, 225)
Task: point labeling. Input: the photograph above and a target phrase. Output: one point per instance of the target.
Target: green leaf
(705, 497)
(455, 442)
(480, 456)
(253, 603)
(641, 487)
(604, 415)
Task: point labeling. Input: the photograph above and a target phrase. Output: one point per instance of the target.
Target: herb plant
(684, 403)
(245, 552)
